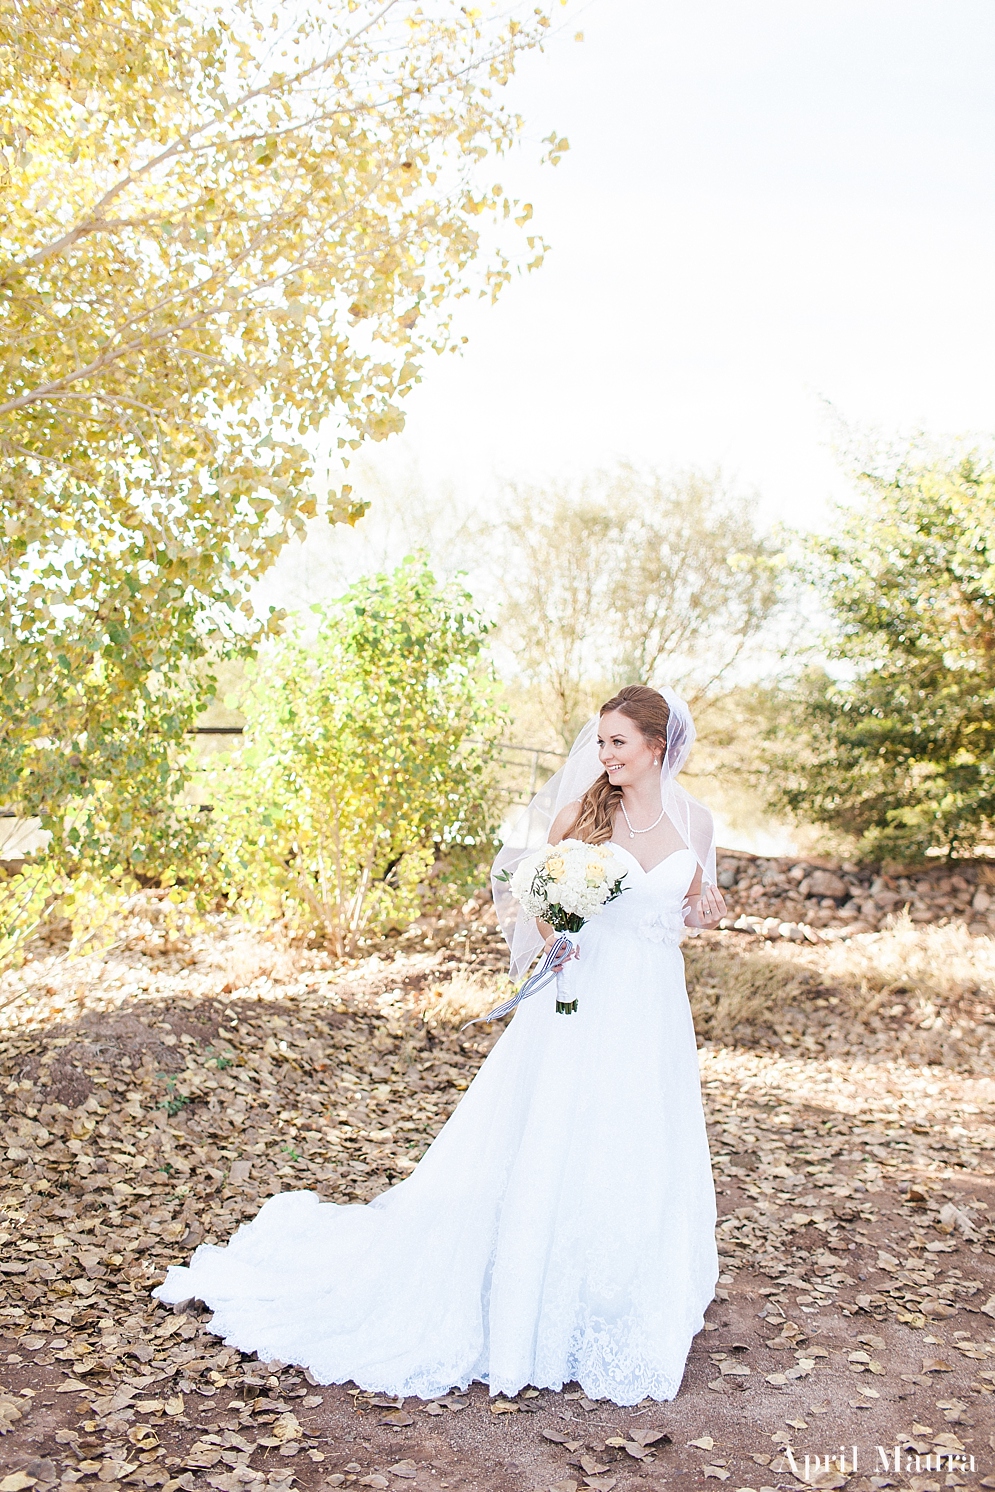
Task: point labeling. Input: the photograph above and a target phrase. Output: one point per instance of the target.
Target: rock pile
(814, 899)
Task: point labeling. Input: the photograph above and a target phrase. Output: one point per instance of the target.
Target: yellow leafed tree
(220, 229)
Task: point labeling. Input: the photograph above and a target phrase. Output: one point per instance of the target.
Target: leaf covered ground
(155, 1097)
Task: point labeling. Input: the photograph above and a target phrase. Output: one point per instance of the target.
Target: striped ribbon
(545, 974)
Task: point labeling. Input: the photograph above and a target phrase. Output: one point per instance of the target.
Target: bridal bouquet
(565, 884)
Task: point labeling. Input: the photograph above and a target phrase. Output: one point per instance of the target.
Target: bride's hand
(706, 910)
(564, 958)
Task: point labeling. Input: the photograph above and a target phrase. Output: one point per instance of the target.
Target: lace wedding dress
(560, 1227)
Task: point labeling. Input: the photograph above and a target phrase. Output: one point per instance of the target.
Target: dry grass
(735, 980)
(742, 988)
(734, 984)
(943, 965)
(922, 993)
(465, 997)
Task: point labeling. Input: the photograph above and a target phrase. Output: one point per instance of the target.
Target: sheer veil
(691, 819)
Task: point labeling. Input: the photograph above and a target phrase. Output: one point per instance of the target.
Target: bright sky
(771, 210)
(768, 204)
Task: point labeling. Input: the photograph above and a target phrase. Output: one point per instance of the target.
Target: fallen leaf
(395, 1417)
(704, 1444)
(648, 1437)
(143, 1436)
(503, 1406)
(936, 1365)
(17, 1482)
(404, 1468)
(113, 1470)
(592, 1466)
(719, 1472)
(958, 1217)
(376, 1480)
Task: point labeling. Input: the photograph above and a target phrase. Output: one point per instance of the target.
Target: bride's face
(625, 753)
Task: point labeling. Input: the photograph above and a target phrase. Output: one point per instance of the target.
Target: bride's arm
(703, 908)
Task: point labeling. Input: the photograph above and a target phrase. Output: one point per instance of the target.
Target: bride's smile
(626, 755)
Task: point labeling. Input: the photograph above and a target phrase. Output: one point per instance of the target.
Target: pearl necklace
(633, 832)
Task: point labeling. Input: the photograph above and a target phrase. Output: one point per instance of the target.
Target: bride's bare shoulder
(564, 821)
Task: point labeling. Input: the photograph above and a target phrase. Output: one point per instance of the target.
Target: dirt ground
(156, 1096)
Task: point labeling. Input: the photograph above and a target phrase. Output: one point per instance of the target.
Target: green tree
(220, 231)
(367, 773)
(894, 745)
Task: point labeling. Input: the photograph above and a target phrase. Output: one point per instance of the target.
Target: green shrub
(894, 747)
(365, 786)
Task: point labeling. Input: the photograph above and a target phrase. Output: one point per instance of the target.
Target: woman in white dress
(561, 1226)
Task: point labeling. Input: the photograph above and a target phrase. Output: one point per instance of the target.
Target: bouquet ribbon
(545, 974)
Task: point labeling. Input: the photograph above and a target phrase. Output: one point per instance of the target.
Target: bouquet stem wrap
(564, 1004)
(544, 975)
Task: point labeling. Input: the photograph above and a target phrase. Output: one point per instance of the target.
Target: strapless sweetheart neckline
(616, 846)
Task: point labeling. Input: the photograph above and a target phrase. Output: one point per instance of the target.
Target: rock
(825, 883)
(845, 898)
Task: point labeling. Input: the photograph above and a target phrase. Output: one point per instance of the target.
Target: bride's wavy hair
(650, 713)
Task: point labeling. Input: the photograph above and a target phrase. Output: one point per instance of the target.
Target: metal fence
(523, 768)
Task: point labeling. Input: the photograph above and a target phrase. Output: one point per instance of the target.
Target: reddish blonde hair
(650, 714)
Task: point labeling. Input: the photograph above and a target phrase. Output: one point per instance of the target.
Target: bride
(561, 1226)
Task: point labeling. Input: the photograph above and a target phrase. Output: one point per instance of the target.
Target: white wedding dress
(559, 1228)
